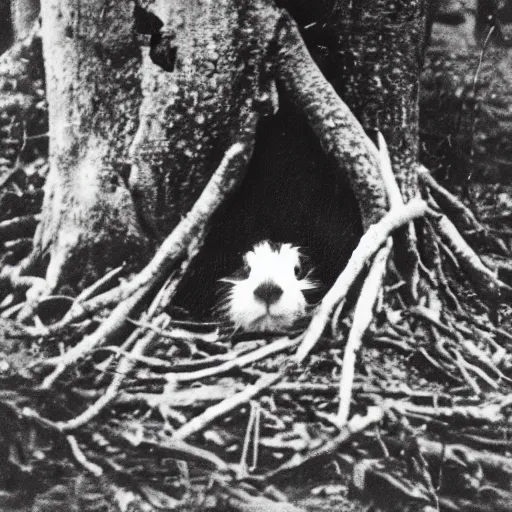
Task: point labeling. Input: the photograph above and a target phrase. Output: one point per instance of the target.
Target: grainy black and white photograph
(255, 255)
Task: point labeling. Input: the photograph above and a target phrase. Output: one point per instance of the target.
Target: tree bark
(380, 48)
(380, 44)
(24, 14)
(190, 116)
(371, 52)
(92, 91)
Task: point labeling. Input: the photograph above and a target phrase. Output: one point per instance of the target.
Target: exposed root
(368, 246)
(183, 242)
(463, 215)
(340, 133)
(124, 367)
(363, 316)
(481, 276)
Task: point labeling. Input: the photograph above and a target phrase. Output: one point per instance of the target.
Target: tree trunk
(380, 46)
(192, 112)
(91, 63)
(199, 92)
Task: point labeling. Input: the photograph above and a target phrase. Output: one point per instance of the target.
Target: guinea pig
(291, 194)
(268, 292)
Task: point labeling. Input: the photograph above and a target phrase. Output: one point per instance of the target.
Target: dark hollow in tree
(291, 193)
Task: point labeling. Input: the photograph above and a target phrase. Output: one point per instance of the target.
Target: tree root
(340, 133)
(464, 217)
(370, 242)
(480, 275)
(123, 369)
(363, 316)
(201, 422)
(183, 242)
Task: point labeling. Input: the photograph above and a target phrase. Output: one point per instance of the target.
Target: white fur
(268, 265)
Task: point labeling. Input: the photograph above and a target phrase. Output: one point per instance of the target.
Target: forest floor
(466, 128)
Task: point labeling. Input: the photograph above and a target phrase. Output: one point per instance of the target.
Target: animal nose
(268, 292)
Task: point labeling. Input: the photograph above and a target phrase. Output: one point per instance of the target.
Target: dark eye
(244, 270)
(299, 271)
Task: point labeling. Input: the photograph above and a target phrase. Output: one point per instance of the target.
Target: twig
(463, 369)
(430, 316)
(356, 425)
(201, 422)
(256, 355)
(174, 333)
(442, 367)
(153, 362)
(98, 285)
(80, 457)
(180, 450)
(478, 371)
(125, 366)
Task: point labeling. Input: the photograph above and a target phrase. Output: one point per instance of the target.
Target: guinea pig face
(271, 297)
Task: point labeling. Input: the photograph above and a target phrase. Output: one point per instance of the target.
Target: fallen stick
(256, 355)
(201, 422)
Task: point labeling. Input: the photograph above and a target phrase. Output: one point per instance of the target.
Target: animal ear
(145, 21)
